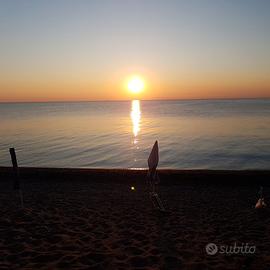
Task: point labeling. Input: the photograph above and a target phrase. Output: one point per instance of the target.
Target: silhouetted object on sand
(16, 183)
(153, 178)
(260, 203)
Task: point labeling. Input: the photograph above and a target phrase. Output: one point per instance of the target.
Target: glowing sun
(135, 85)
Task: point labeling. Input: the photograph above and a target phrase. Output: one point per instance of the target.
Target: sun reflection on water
(135, 115)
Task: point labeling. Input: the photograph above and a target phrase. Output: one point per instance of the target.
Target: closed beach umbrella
(153, 176)
(153, 158)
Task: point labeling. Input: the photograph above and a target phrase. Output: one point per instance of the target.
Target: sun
(135, 85)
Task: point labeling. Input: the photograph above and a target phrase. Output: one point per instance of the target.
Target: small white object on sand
(260, 204)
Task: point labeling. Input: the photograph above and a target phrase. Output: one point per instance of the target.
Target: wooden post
(13, 158)
(16, 183)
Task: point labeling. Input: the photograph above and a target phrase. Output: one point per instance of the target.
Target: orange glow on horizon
(112, 89)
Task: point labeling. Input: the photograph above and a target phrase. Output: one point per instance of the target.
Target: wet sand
(91, 219)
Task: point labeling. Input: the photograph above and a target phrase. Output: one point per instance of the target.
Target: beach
(92, 219)
(135, 135)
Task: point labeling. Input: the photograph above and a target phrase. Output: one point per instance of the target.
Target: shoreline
(167, 176)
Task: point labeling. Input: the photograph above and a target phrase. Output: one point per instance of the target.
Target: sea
(192, 134)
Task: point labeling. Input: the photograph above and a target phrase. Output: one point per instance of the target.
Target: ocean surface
(201, 134)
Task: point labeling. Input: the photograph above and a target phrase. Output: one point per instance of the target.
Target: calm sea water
(220, 134)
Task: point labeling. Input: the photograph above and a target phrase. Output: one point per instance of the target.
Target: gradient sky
(85, 50)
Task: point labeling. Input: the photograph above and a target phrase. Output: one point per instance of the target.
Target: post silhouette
(16, 182)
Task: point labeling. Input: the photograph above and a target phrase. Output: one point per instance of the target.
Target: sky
(86, 50)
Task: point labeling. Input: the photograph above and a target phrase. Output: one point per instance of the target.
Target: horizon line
(125, 100)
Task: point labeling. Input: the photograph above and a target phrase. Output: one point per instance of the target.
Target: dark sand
(90, 219)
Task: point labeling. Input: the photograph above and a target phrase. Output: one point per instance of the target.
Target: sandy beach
(91, 219)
